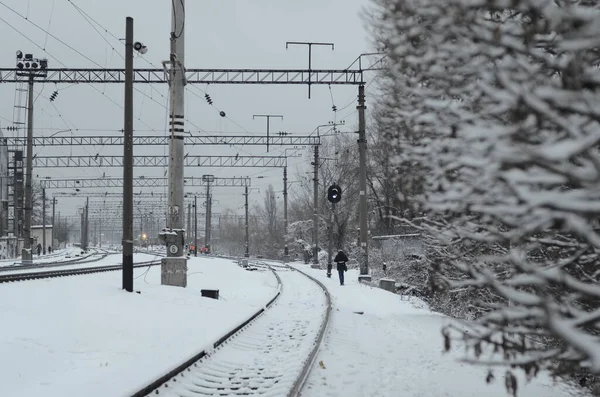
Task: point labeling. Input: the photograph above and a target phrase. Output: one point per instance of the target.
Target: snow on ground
(111, 259)
(84, 335)
(395, 349)
(55, 256)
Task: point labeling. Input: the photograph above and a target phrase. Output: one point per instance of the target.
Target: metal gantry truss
(151, 140)
(138, 182)
(158, 161)
(117, 195)
(194, 76)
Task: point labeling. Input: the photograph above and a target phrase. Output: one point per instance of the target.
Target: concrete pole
(210, 223)
(316, 207)
(44, 220)
(26, 253)
(286, 252)
(362, 180)
(174, 267)
(100, 232)
(127, 237)
(330, 253)
(188, 229)
(87, 223)
(17, 159)
(82, 228)
(207, 218)
(195, 225)
(247, 239)
(53, 222)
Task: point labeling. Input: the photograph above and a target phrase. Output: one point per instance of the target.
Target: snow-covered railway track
(270, 355)
(93, 256)
(5, 278)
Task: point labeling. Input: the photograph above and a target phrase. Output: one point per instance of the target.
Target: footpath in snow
(395, 348)
(85, 336)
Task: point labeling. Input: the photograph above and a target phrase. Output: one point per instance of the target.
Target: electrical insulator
(53, 96)
(207, 97)
(334, 108)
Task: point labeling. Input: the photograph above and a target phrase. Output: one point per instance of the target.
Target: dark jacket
(341, 260)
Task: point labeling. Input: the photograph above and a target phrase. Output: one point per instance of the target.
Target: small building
(37, 236)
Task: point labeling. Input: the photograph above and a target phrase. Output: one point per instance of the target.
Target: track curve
(270, 355)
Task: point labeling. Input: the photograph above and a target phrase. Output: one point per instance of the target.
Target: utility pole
(127, 239)
(100, 231)
(286, 253)
(53, 222)
(362, 180)
(87, 224)
(82, 228)
(268, 117)
(189, 219)
(26, 254)
(316, 208)
(208, 179)
(44, 220)
(330, 253)
(247, 243)
(195, 225)
(309, 44)
(334, 195)
(174, 267)
(207, 219)
(30, 67)
(17, 194)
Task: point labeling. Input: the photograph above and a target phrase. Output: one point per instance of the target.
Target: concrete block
(210, 293)
(26, 256)
(387, 284)
(364, 278)
(174, 271)
(245, 262)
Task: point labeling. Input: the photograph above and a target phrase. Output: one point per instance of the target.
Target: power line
(79, 53)
(58, 60)
(89, 19)
(50, 34)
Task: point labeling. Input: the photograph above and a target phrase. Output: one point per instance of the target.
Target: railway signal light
(334, 193)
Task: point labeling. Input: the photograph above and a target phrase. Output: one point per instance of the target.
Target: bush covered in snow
(501, 102)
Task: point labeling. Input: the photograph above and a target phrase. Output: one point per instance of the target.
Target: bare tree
(232, 233)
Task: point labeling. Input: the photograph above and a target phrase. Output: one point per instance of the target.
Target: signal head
(334, 193)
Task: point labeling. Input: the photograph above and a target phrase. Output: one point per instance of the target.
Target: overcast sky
(219, 34)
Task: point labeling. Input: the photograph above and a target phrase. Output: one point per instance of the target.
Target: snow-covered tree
(503, 98)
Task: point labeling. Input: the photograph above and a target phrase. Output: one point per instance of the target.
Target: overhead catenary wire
(93, 21)
(49, 22)
(76, 51)
(72, 127)
(50, 55)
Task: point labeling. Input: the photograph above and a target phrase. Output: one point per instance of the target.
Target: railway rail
(92, 256)
(269, 354)
(13, 277)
